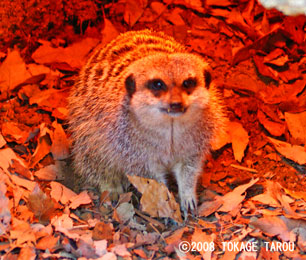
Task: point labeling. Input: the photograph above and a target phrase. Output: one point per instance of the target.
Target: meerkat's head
(168, 86)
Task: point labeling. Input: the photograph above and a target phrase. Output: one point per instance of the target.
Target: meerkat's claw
(189, 204)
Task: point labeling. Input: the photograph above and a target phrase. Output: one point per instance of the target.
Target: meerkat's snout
(176, 104)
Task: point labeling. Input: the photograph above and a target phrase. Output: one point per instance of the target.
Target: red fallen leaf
(141, 253)
(174, 17)
(265, 43)
(274, 128)
(27, 253)
(60, 113)
(47, 173)
(124, 212)
(13, 71)
(15, 132)
(103, 231)
(291, 74)
(109, 32)
(209, 207)
(156, 199)
(80, 199)
(50, 98)
(276, 57)
(60, 193)
(101, 248)
(297, 125)
(294, 26)
(2, 141)
(60, 144)
(121, 250)
(224, 3)
(190, 4)
(5, 214)
(6, 157)
(264, 69)
(21, 232)
(284, 95)
(43, 145)
(40, 204)
(152, 13)
(295, 153)
(174, 239)
(17, 167)
(232, 199)
(48, 242)
(133, 11)
(200, 236)
(239, 139)
(75, 55)
(279, 226)
(146, 239)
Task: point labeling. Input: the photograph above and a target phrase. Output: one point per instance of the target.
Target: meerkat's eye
(157, 85)
(189, 83)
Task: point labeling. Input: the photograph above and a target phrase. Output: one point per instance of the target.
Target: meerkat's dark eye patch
(130, 85)
(207, 77)
(156, 85)
(190, 83)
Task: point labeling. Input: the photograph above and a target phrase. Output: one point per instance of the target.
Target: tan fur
(119, 130)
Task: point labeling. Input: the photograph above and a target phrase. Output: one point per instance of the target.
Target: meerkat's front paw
(188, 202)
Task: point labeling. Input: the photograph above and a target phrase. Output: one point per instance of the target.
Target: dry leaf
(80, 199)
(156, 199)
(29, 185)
(274, 226)
(274, 128)
(47, 173)
(2, 141)
(103, 231)
(50, 98)
(125, 212)
(74, 55)
(43, 145)
(101, 247)
(40, 204)
(27, 253)
(22, 233)
(13, 71)
(297, 125)
(6, 157)
(276, 57)
(232, 199)
(133, 11)
(239, 139)
(200, 237)
(60, 113)
(121, 250)
(5, 214)
(109, 32)
(17, 167)
(295, 153)
(48, 242)
(60, 144)
(60, 193)
(209, 207)
(15, 132)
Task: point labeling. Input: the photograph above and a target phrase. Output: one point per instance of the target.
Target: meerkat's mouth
(174, 111)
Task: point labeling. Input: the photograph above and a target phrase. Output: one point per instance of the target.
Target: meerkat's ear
(130, 85)
(207, 77)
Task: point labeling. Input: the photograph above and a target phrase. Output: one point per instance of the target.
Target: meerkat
(143, 105)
